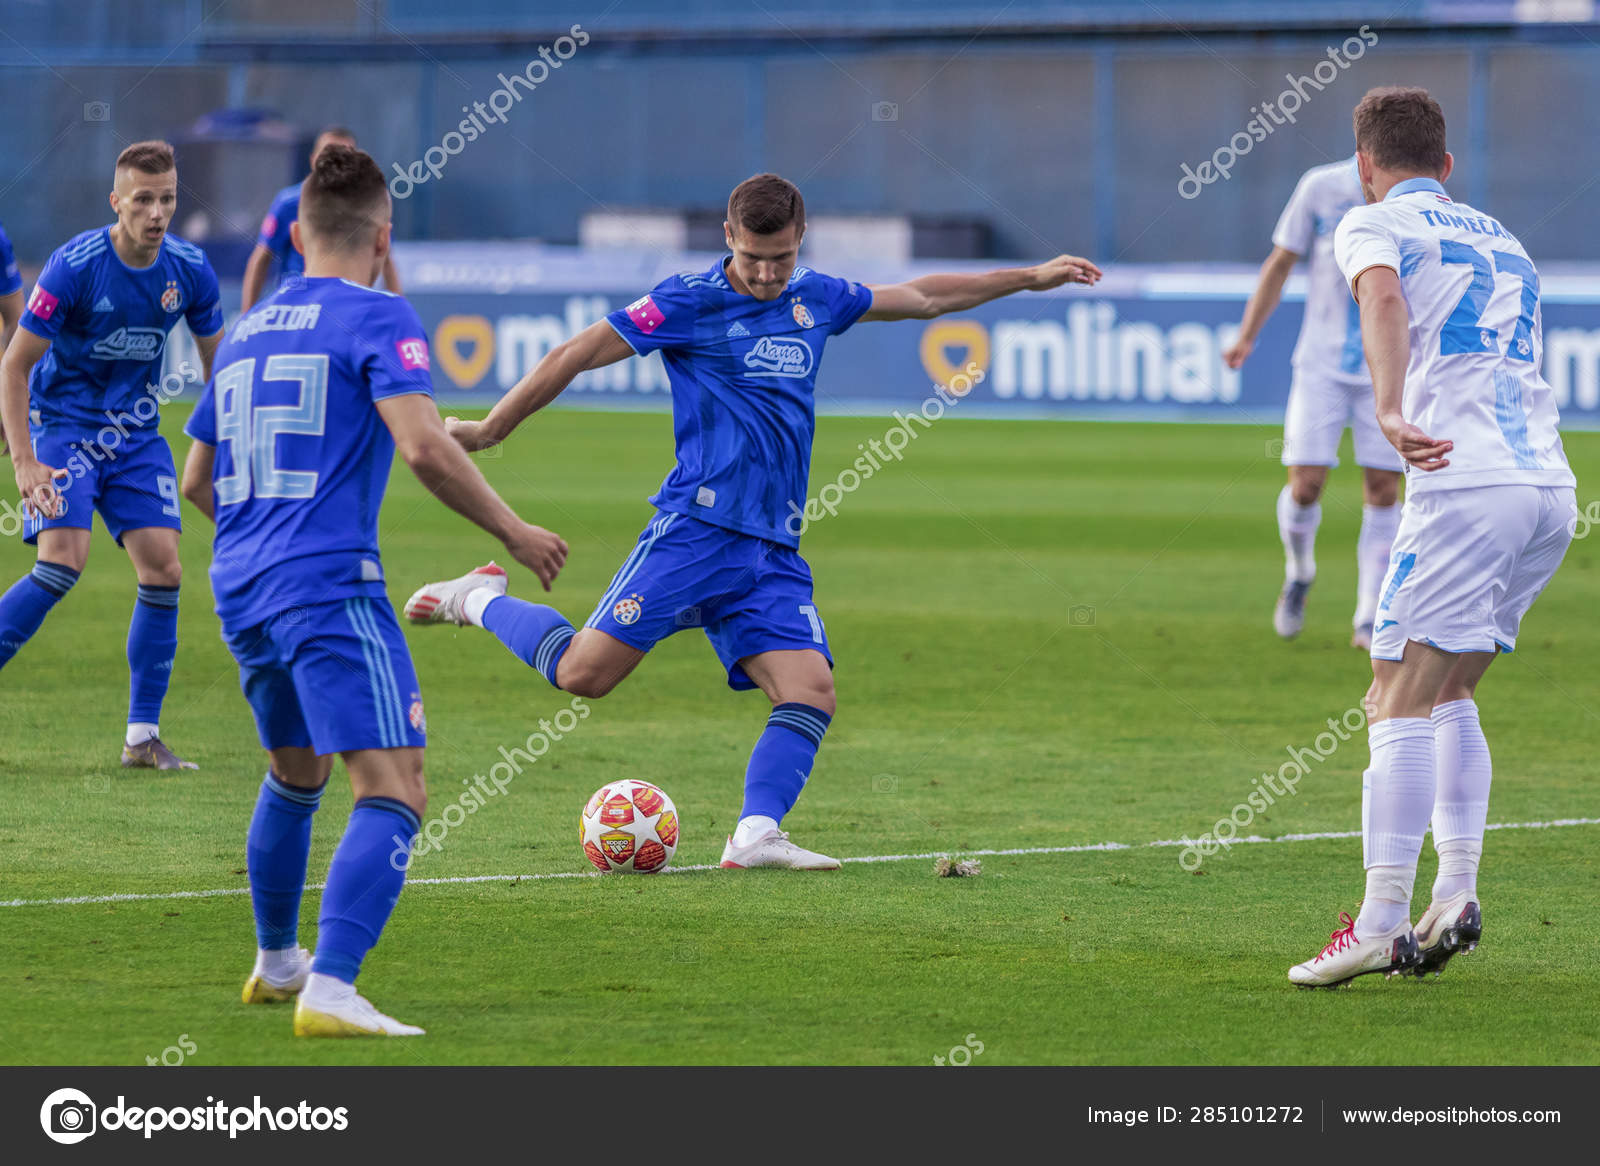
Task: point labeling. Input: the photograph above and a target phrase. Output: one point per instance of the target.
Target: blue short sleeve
(52, 299)
(10, 278)
(665, 318)
(394, 347)
(274, 234)
(847, 301)
(205, 303)
(202, 424)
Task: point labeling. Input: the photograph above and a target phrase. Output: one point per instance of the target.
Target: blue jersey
(302, 456)
(10, 278)
(274, 235)
(743, 374)
(107, 324)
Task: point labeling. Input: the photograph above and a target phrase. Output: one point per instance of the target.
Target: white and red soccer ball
(629, 826)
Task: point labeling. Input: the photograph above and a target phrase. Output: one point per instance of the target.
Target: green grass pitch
(1047, 635)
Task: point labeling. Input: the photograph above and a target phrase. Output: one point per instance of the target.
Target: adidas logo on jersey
(105, 305)
(737, 329)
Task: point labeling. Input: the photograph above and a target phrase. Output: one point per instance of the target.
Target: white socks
(279, 965)
(477, 599)
(1396, 801)
(753, 827)
(1378, 526)
(1461, 803)
(141, 731)
(1297, 527)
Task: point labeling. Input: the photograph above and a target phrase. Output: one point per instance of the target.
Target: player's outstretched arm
(36, 482)
(1386, 337)
(444, 468)
(197, 469)
(1263, 302)
(928, 296)
(595, 347)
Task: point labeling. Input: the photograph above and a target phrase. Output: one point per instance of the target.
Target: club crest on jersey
(779, 358)
(130, 344)
(628, 610)
(172, 298)
(803, 316)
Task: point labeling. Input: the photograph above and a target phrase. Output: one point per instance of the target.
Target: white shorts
(1468, 564)
(1320, 406)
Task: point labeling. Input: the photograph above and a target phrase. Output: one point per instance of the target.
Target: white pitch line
(76, 900)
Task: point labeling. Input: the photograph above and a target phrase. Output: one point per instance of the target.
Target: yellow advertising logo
(938, 339)
(464, 346)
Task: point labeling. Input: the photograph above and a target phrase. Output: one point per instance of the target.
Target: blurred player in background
(1451, 324)
(315, 390)
(742, 342)
(274, 246)
(78, 390)
(10, 294)
(1329, 390)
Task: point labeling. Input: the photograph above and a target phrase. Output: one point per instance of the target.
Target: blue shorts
(750, 595)
(132, 484)
(330, 676)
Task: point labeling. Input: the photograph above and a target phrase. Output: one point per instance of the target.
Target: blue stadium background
(1048, 126)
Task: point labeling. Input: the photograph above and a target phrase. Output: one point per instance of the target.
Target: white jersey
(1477, 337)
(1330, 333)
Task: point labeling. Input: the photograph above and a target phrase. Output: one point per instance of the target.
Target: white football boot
(1448, 927)
(330, 1007)
(774, 849)
(280, 983)
(443, 602)
(1346, 957)
(1289, 615)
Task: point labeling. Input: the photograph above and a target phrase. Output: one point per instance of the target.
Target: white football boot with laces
(330, 1007)
(443, 602)
(774, 849)
(1346, 957)
(1448, 927)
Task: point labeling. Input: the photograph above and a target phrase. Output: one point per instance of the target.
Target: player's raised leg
(63, 551)
(799, 683)
(152, 645)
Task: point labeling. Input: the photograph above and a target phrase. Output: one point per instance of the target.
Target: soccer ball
(629, 826)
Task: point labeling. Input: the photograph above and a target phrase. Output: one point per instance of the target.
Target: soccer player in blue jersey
(741, 342)
(314, 391)
(78, 391)
(273, 245)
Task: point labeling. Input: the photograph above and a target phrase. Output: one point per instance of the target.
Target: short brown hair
(765, 204)
(153, 157)
(344, 199)
(1401, 128)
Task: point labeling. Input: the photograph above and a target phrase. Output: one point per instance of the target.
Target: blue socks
(276, 850)
(152, 644)
(363, 885)
(537, 635)
(782, 759)
(23, 608)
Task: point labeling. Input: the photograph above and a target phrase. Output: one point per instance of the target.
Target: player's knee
(1305, 490)
(1381, 489)
(585, 678)
(162, 574)
(819, 694)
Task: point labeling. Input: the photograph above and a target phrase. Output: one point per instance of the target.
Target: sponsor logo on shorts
(628, 610)
(419, 720)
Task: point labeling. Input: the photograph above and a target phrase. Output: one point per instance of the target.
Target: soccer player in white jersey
(1451, 326)
(1329, 390)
